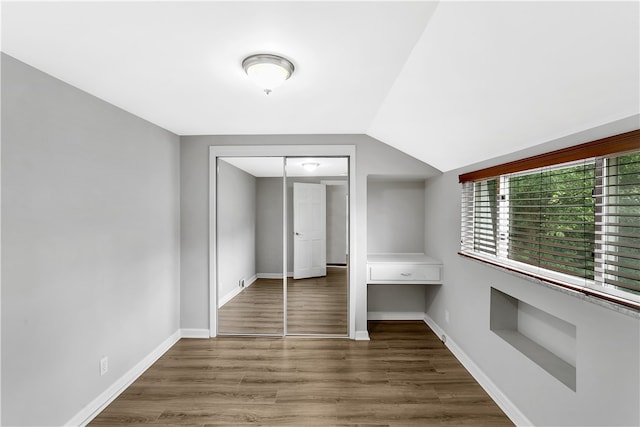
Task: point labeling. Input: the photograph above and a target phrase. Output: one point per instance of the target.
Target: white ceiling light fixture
(310, 166)
(267, 71)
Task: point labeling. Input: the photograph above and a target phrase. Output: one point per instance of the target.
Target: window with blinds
(575, 224)
(552, 219)
(617, 263)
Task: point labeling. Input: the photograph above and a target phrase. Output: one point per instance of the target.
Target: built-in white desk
(403, 269)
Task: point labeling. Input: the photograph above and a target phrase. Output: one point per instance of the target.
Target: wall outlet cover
(104, 365)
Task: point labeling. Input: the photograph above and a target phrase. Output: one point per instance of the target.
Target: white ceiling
(274, 166)
(487, 79)
(450, 83)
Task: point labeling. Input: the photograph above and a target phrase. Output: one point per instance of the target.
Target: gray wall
(269, 225)
(337, 224)
(607, 341)
(395, 216)
(372, 157)
(236, 227)
(90, 244)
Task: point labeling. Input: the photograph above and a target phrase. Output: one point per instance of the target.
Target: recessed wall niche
(545, 339)
(395, 225)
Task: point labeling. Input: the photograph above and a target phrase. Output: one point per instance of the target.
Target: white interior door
(309, 230)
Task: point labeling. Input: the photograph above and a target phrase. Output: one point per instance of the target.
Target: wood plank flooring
(314, 306)
(404, 376)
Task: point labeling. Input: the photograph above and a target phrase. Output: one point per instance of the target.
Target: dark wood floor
(404, 376)
(317, 306)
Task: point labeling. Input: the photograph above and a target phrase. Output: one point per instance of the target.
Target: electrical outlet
(104, 365)
(446, 316)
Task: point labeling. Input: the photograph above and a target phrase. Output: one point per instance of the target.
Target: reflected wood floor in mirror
(404, 376)
(314, 306)
(318, 305)
(255, 310)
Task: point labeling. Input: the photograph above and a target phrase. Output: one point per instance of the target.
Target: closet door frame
(216, 151)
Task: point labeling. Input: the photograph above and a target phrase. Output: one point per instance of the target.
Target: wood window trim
(627, 141)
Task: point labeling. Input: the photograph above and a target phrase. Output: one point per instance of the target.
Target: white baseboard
(250, 281)
(509, 408)
(229, 296)
(94, 407)
(194, 333)
(395, 315)
(362, 335)
(273, 275)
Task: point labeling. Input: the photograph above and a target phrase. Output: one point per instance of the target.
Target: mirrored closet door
(282, 245)
(249, 245)
(317, 239)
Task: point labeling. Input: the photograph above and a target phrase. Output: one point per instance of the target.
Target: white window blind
(617, 263)
(480, 217)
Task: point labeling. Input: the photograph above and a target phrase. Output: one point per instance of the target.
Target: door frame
(216, 151)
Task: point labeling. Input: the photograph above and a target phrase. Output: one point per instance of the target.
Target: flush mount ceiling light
(267, 71)
(310, 166)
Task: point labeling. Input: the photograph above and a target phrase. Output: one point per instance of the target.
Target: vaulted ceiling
(450, 83)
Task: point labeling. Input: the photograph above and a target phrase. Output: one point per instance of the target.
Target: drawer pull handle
(405, 274)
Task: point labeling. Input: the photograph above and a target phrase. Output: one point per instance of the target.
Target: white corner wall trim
(395, 315)
(362, 336)
(194, 333)
(509, 408)
(94, 407)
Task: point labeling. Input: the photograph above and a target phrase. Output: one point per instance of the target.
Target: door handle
(298, 234)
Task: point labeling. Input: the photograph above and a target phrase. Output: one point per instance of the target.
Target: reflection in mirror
(317, 245)
(249, 245)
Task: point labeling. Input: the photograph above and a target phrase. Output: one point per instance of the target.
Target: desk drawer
(399, 273)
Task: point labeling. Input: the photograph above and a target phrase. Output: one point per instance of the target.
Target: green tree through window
(552, 219)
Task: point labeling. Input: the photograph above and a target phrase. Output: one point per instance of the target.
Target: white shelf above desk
(403, 269)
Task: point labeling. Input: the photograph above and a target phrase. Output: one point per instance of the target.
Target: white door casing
(309, 230)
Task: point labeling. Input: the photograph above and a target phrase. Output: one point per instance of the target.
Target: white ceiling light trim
(267, 71)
